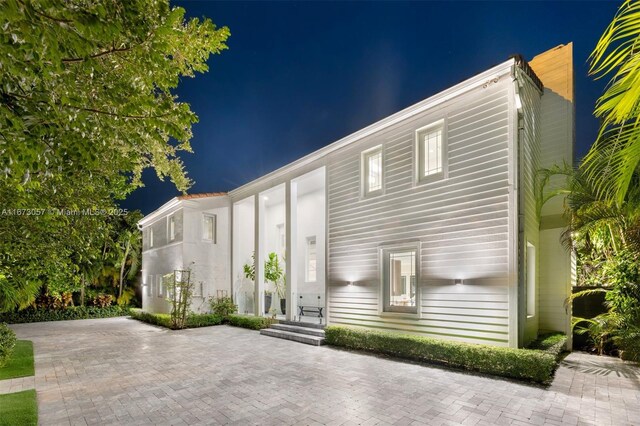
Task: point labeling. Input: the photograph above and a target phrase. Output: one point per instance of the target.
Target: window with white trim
(150, 237)
(150, 286)
(431, 155)
(400, 291)
(311, 260)
(171, 228)
(531, 280)
(160, 286)
(209, 224)
(372, 173)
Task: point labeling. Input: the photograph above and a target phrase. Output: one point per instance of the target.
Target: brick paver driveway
(120, 371)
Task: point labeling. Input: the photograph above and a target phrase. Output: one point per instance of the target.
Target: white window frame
(214, 227)
(308, 259)
(150, 237)
(364, 171)
(419, 163)
(159, 286)
(171, 228)
(385, 309)
(531, 280)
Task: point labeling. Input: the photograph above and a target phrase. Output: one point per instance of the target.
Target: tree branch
(113, 114)
(97, 55)
(44, 15)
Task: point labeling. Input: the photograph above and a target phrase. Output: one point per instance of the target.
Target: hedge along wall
(69, 313)
(523, 364)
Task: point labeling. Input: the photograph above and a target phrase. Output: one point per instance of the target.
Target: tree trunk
(82, 285)
(124, 261)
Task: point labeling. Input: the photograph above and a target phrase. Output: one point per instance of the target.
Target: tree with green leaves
(614, 158)
(87, 103)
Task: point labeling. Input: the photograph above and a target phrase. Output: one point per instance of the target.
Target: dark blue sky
(298, 76)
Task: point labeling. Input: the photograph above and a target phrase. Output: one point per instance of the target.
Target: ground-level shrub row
(552, 343)
(523, 364)
(253, 323)
(69, 313)
(164, 320)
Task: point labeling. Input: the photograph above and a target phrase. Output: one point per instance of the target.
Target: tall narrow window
(150, 237)
(430, 151)
(372, 171)
(150, 285)
(400, 290)
(312, 260)
(531, 280)
(160, 286)
(209, 228)
(172, 228)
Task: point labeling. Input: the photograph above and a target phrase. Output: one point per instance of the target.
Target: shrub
(7, 343)
(552, 343)
(164, 320)
(253, 323)
(102, 300)
(70, 313)
(223, 306)
(521, 364)
(203, 320)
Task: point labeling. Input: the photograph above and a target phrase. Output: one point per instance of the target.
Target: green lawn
(19, 408)
(21, 362)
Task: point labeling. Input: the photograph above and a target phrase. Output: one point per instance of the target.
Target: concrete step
(296, 337)
(303, 324)
(299, 329)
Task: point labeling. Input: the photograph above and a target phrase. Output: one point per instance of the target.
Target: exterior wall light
(458, 281)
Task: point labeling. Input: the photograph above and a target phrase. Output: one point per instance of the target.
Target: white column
(259, 254)
(291, 212)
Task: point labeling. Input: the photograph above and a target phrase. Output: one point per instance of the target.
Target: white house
(189, 232)
(424, 222)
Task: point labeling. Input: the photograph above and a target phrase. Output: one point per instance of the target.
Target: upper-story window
(372, 171)
(209, 227)
(150, 237)
(431, 151)
(171, 228)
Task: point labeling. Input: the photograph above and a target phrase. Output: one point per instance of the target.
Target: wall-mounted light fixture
(458, 281)
(265, 198)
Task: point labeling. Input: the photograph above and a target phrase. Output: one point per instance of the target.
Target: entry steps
(311, 334)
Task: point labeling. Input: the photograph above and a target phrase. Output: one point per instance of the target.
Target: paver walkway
(120, 371)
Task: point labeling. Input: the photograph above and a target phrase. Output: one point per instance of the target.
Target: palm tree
(614, 158)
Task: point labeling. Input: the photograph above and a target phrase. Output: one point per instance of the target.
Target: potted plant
(273, 273)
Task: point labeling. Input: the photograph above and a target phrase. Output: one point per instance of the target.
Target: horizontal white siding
(462, 223)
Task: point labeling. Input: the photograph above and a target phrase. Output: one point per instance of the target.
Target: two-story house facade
(427, 221)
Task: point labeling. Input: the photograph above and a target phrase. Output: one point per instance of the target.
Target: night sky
(298, 76)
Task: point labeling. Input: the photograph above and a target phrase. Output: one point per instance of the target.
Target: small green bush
(164, 320)
(223, 306)
(7, 343)
(523, 364)
(203, 320)
(244, 321)
(552, 343)
(70, 313)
